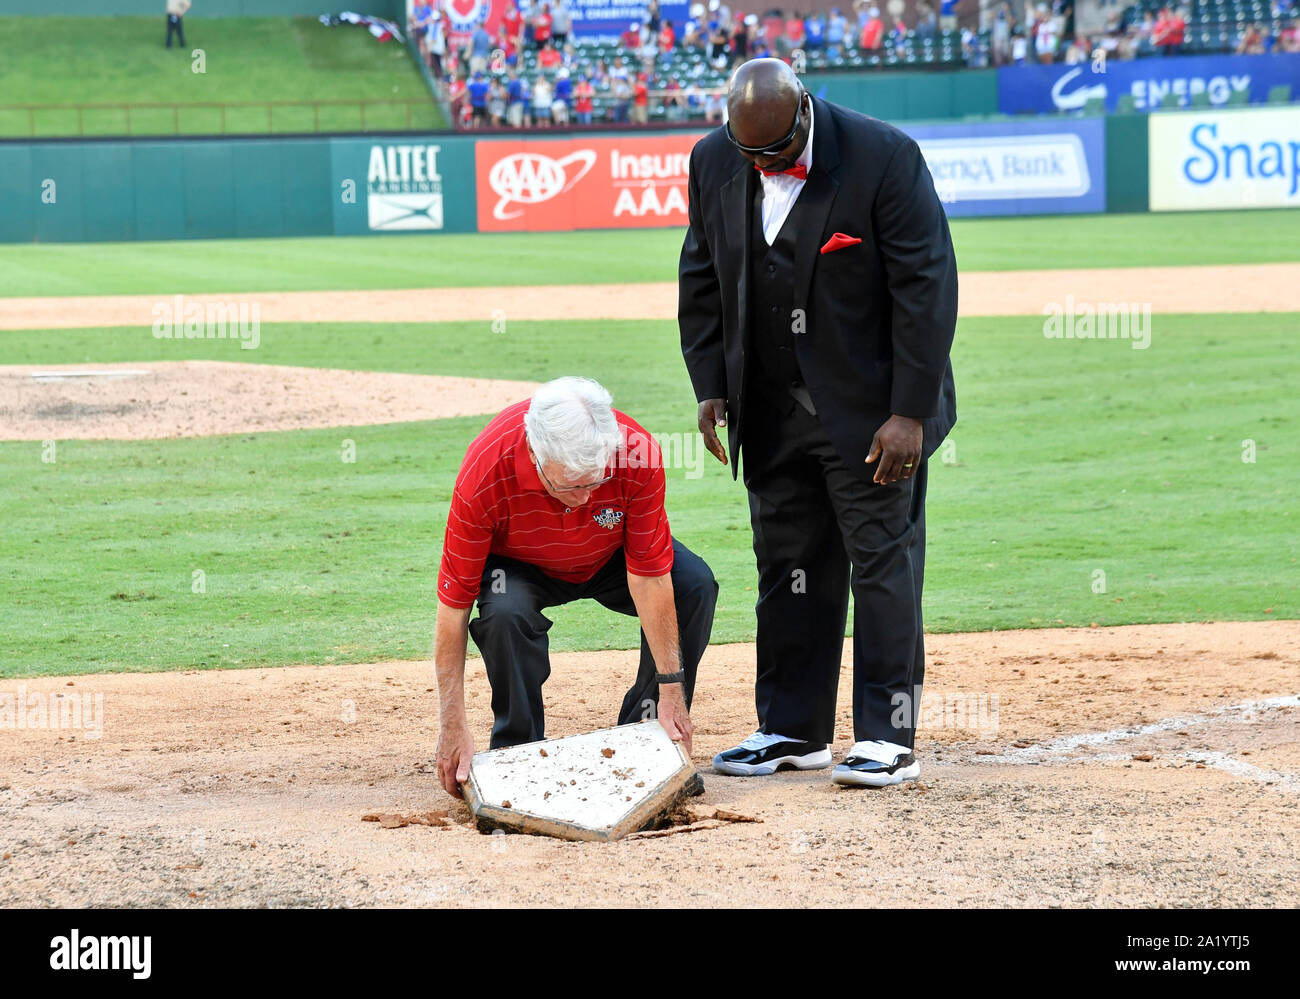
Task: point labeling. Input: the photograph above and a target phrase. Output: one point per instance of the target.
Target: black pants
(174, 25)
(819, 529)
(510, 632)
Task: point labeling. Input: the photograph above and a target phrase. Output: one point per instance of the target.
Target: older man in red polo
(561, 498)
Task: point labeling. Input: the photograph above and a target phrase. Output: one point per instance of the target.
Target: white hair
(570, 423)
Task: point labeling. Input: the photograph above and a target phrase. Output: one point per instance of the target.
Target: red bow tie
(798, 170)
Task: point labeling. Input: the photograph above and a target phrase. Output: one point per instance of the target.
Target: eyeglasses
(567, 489)
(772, 150)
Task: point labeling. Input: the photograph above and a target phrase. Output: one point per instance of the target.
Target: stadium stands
(1213, 26)
(681, 79)
(685, 68)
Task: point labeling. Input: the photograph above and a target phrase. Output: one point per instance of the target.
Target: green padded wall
(1127, 175)
(894, 96)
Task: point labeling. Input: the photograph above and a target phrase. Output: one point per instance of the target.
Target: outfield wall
(1060, 88)
(1219, 79)
(911, 96)
(86, 190)
(1208, 160)
(147, 190)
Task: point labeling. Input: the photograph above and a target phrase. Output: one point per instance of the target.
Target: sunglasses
(567, 489)
(777, 147)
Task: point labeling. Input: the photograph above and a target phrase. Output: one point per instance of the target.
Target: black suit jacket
(878, 317)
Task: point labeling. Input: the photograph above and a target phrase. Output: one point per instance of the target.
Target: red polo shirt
(500, 506)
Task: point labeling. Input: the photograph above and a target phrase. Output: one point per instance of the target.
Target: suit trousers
(511, 633)
(822, 529)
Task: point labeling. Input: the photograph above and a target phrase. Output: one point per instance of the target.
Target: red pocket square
(839, 241)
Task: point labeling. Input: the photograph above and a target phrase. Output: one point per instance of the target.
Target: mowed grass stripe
(245, 60)
(603, 257)
(1070, 458)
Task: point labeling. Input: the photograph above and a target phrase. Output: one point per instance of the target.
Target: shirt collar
(525, 471)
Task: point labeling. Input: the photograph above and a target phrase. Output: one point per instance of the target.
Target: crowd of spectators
(1034, 38)
(494, 79)
(569, 98)
(485, 83)
(1046, 34)
(1261, 37)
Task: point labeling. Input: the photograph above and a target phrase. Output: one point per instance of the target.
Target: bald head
(762, 100)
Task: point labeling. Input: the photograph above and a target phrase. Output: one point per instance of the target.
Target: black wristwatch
(678, 677)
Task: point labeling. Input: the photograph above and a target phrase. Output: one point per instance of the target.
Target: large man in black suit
(818, 300)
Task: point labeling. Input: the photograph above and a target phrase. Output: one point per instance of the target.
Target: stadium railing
(213, 117)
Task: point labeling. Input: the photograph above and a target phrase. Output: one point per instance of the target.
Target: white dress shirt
(780, 192)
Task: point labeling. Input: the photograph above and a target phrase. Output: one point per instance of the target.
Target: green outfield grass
(70, 61)
(609, 256)
(1070, 457)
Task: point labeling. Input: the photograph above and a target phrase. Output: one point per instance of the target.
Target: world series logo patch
(608, 517)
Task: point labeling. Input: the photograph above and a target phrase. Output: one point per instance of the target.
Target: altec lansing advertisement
(1225, 159)
(403, 186)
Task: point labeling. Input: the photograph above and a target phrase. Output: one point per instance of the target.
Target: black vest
(771, 304)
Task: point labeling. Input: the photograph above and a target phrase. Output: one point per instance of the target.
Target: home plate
(596, 786)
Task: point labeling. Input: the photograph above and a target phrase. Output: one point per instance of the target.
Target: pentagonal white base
(596, 786)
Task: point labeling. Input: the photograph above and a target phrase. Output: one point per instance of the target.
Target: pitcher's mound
(200, 398)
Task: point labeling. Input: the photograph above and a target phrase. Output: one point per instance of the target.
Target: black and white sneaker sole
(812, 761)
(878, 778)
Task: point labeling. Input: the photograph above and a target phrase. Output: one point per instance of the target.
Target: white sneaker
(877, 764)
(765, 753)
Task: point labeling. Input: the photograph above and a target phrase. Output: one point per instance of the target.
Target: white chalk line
(1220, 761)
(1059, 750)
(1240, 768)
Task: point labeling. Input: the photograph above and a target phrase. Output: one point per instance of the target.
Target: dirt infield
(1226, 288)
(1155, 765)
(199, 398)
